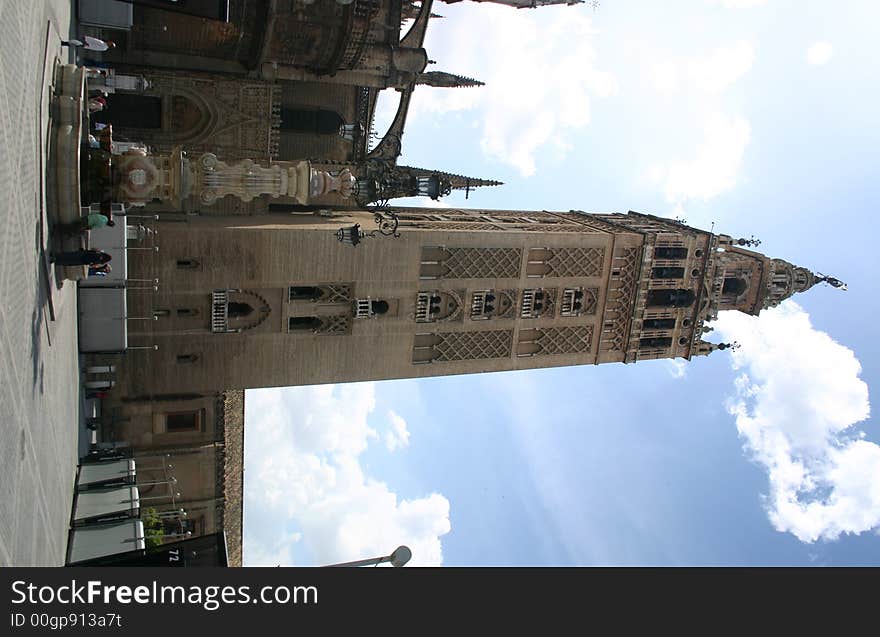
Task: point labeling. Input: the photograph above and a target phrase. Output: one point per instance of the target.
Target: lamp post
(384, 218)
(399, 557)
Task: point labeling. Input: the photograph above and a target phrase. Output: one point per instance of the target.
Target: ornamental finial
(751, 242)
(830, 280)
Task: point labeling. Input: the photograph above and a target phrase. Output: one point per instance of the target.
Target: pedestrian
(90, 44)
(100, 270)
(90, 222)
(92, 256)
(97, 104)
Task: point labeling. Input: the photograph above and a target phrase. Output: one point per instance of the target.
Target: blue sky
(757, 116)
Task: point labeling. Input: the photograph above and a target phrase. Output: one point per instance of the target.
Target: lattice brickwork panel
(483, 263)
(340, 324)
(461, 346)
(551, 227)
(623, 311)
(565, 340)
(594, 222)
(458, 225)
(590, 300)
(336, 294)
(576, 261)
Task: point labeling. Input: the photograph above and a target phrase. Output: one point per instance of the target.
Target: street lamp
(399, 557)
(386, 220)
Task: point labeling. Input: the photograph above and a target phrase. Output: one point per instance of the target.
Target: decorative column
(144, 177)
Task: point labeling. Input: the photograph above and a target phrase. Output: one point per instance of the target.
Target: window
(536, 303)
(670, 298)
(365, 308)
(734, 287)
(487, 304)
(304, 293)
(665, 252)
(654, 343)
(236, 309)
(187, 312)
(667, 273)
(303, 323)
(185, 359)
(658, 324)
(187, 264)
(183, 421)
(132, 110)
(311, 121)
(577, 301)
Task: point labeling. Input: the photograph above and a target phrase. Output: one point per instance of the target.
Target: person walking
(89, 222)
(92, 256)
(90, 44)
(100, 270)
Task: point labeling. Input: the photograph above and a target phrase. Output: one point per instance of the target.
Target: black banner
(157, 600)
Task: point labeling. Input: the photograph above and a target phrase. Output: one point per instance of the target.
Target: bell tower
(321, 297)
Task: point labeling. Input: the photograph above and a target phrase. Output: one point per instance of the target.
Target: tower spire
(447, 80)
(455, 182)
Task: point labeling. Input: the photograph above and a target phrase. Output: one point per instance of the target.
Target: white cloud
(819, 53)
(397, 436)
(304, 482)
(798, 399)
(676, 367)
(724, 66)
(540, 71)
(715, 167)
(711, 74)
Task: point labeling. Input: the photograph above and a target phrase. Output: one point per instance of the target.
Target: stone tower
(278, 300)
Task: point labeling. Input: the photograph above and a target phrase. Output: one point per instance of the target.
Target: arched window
(311, 121)
(537, 302)
(666, 252)
(670, 298)
(236, 309)
(658, 324)
(379, 307)
(305, 293)
(186, 116)
(734, 287)
(667, 273)
(131, 110)
(303, 323)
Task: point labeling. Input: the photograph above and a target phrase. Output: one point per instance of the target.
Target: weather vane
(751, 242)
(830, 280)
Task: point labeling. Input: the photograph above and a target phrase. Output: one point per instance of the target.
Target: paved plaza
(39, 392)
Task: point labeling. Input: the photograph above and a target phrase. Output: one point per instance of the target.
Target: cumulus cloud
(541, 73)
(714, 169)
(798, 399)
(397, 435)
(819, 53)
(711, 73)
(304, 482)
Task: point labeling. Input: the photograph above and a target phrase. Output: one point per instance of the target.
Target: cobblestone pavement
(39, 388)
